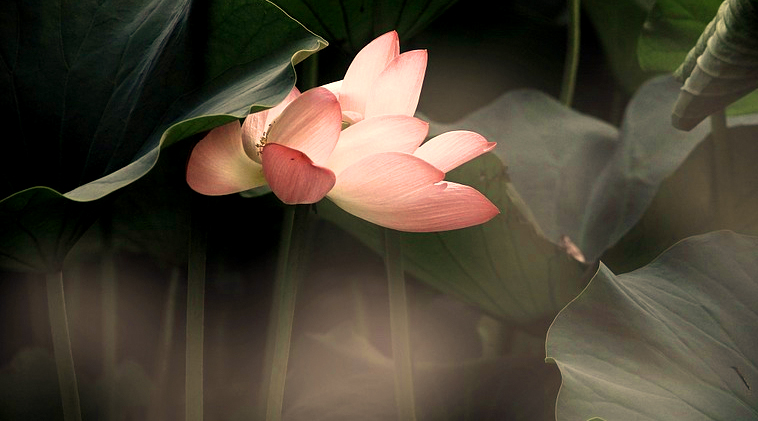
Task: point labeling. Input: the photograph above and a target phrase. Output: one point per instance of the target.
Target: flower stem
(571, 64)
(283, 309)
(362, 327)
(310, 72)
(399, 326)
(721, 165)
(109, 303)
(164, 349)
(195, 316)
(64, 360)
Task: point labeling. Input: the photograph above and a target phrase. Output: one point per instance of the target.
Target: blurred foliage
(29, 389)
(618, 25)
(342, 376)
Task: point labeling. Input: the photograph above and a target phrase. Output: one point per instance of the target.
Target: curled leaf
(722, 67)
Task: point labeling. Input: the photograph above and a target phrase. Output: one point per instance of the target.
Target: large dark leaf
(677, 339)
(91, 92)
(351, 24)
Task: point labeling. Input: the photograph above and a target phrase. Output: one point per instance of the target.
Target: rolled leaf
(722, 67)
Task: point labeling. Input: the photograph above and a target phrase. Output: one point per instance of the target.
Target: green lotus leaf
(580, 176)
(91, 92)
(675, 339)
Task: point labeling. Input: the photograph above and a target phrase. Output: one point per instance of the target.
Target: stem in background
(164, 350)
(291, 246)
(109, 309)
(491, 336)
(310, 72)
(64, 360)
(399, 326)
(195, 315)
(721, 166)
(572, 54)
(362, 327)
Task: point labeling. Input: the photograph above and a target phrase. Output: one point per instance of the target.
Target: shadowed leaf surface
(691, 202)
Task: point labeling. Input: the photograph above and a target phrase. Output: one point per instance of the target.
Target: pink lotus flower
(381, 81)
(294, 139)
(376, 169)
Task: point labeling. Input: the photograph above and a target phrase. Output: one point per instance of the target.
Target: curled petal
(219, 165)
(395, 133)
(451, 149)
(364, 70)
(406, 193)
(334, 87)
(256, 125)
(398, 87)
(311, 124)
(293, 177)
